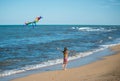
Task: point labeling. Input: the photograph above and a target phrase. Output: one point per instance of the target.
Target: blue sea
(26, 48)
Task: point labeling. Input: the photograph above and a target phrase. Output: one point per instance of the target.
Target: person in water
(65, 58)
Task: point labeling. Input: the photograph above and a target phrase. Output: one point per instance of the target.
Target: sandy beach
(107, 69)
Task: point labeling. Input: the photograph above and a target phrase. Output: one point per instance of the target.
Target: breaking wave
(90, 29)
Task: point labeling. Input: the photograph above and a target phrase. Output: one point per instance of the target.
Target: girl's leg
(64, 66)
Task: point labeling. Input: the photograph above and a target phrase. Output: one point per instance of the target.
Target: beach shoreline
(106, 69)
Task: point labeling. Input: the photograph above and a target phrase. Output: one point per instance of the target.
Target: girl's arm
(72, 52)
(59, 49)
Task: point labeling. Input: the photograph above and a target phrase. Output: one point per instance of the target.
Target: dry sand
(107, 69)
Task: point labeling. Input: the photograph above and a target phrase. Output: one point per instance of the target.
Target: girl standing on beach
(65, 58)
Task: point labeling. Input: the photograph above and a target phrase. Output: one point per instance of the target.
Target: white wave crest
(90, 29)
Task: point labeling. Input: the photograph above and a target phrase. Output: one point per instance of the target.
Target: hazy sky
(86, 12)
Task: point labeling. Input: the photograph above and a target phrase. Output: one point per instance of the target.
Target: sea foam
(90, 29)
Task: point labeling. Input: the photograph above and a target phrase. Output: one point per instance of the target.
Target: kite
(33, 23)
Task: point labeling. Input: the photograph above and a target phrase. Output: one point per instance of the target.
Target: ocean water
(26, 48)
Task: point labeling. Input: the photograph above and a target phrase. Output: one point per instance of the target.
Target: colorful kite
(33, 23)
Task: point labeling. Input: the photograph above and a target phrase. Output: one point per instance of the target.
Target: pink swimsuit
(65, 61)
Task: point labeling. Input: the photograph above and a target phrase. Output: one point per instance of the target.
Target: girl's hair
(65, 49)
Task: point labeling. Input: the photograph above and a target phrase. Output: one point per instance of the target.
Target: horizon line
(64, 24)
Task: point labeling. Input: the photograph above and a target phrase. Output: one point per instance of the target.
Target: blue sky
(83, 12)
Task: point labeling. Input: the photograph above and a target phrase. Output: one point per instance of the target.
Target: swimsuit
(65, 60)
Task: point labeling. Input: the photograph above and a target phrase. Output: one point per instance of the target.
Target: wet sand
(107, 69)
